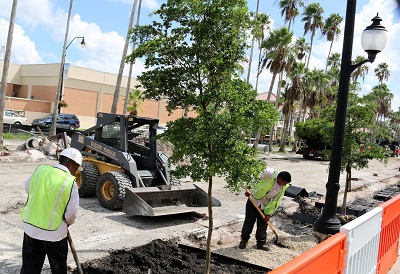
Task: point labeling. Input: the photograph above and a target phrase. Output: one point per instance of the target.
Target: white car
(10, 117)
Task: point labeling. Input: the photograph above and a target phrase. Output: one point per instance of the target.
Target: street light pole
(328, 223)
(63, 70)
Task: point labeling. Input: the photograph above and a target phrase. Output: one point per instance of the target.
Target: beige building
(32, 89)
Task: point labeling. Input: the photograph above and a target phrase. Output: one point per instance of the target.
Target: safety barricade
(363, 235)
(326, 257)
(389, 239)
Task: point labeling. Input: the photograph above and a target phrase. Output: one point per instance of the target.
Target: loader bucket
(165, 200)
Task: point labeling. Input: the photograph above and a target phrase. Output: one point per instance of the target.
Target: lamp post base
(327, 225)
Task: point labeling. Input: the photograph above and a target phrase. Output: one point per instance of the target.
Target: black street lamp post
(373, 41)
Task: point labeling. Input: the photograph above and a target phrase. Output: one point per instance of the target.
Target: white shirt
(70, 216)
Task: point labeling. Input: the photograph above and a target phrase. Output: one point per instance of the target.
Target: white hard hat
(73, 154)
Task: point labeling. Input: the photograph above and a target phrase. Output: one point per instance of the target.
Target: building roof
(264, 96)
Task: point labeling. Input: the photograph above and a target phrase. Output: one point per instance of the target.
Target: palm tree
(128, 85)
(289, 9)
(331, 30)
(6, 65)
(263, 25)
(122, 64)
(334, 60)
(276, 48)
(53, 127)
(382, 72)
(301, 47)
(382, 97)
(252, 42)
(312, 18)
(361, 71)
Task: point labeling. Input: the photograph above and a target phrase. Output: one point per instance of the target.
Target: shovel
(268, 222)
(71, 244)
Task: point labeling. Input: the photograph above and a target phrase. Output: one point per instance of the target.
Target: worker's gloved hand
(267, 217)
(247, 193)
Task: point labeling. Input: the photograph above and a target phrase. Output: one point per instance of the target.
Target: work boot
(262, 246)
(243, 244)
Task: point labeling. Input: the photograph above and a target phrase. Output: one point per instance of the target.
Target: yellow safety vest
(48, 196)
(261, 188)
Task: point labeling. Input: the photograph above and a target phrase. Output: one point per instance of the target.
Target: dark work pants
(252, 215)
(34, 252)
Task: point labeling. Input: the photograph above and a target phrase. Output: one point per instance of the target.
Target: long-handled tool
(71, 244)
(263, 216)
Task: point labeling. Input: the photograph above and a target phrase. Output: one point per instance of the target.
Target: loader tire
(87, 180)
(111, 189)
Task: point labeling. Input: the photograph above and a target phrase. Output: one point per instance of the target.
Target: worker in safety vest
(52, 205)
(267, 193)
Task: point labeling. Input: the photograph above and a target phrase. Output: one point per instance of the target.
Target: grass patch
(16, 136)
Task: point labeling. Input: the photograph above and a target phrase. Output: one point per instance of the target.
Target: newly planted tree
(186, 66)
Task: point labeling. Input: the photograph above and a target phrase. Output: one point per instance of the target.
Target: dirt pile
(165, 257)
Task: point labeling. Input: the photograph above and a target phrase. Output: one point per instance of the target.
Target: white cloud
(23, 49)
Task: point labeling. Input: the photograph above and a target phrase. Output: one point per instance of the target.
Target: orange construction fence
(389, 238)
(327, 257)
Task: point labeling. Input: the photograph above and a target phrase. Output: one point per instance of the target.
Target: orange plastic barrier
(389, 241)
(327, 257)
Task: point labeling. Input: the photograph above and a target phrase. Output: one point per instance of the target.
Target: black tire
(87, 180)
(111, 189)
(72, 127)
(47, 125)
(17, 123)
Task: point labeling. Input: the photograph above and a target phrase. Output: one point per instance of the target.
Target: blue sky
(40, 29)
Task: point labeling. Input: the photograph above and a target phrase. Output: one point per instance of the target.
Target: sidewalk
(395, 268)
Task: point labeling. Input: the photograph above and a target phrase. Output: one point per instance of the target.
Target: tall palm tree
(252, 42)
(128, 85)
(301, 47)
(276, 48)
(334, 60)
(383, 98)
(331, 30)
(361, 71)
(289, 9)
(382, 72)
(122, 64)
(263, 25)
(313, 20)
(60, 78)
(6, 65)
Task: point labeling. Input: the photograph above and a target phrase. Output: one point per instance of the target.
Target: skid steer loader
(122, 167)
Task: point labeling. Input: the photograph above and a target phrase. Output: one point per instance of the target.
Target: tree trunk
(53, 127)
(347, 189)
(271, 86)
(128, 85)
(6, 65)
(285, 129)
(252, 48)
(122, 64)
(210, 228)
(329, 54)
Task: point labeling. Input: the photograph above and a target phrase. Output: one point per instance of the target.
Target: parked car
(64, 120)
(10, 117)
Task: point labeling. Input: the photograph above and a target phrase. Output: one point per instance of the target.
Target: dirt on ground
(111, 242)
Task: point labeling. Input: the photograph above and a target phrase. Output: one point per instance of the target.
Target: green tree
(361, 71)
(276, 49)
(290, 9)
(312, 18)
(382, 72)
(134, 101)
(331, 30)
(382, 98)
(187, 67)
(334, 60)
(360, 137)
